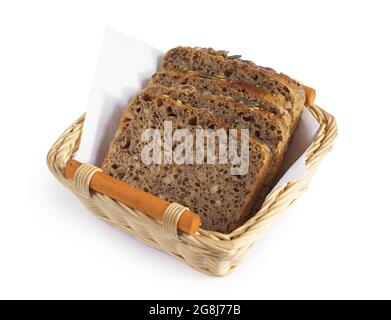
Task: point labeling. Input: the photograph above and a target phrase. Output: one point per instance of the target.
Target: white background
(334, 243)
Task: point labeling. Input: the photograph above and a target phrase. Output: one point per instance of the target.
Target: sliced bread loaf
(210, 190)
(242, 92)
(218, 63)
(263, 126)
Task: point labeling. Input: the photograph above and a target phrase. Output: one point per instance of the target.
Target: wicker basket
(209, 252)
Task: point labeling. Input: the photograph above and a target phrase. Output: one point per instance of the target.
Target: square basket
(210, 252)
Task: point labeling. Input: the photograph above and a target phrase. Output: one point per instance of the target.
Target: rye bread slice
(263, 126)
(218, 63)
(210, 190)
(238, 90)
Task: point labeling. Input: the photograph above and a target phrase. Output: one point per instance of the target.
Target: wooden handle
(148, 204)
(310, 95)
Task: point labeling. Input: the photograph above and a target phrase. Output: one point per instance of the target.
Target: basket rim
(67, 145)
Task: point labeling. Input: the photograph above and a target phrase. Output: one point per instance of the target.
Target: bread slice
(240, 91)
(210, 190)
(263, 126)
(218, 63)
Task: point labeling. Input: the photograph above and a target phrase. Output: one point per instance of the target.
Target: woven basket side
(63, 149)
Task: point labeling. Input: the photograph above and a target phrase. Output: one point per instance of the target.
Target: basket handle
(310, 95)
(148, 204)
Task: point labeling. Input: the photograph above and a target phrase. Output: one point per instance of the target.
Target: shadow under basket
(210, 252)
